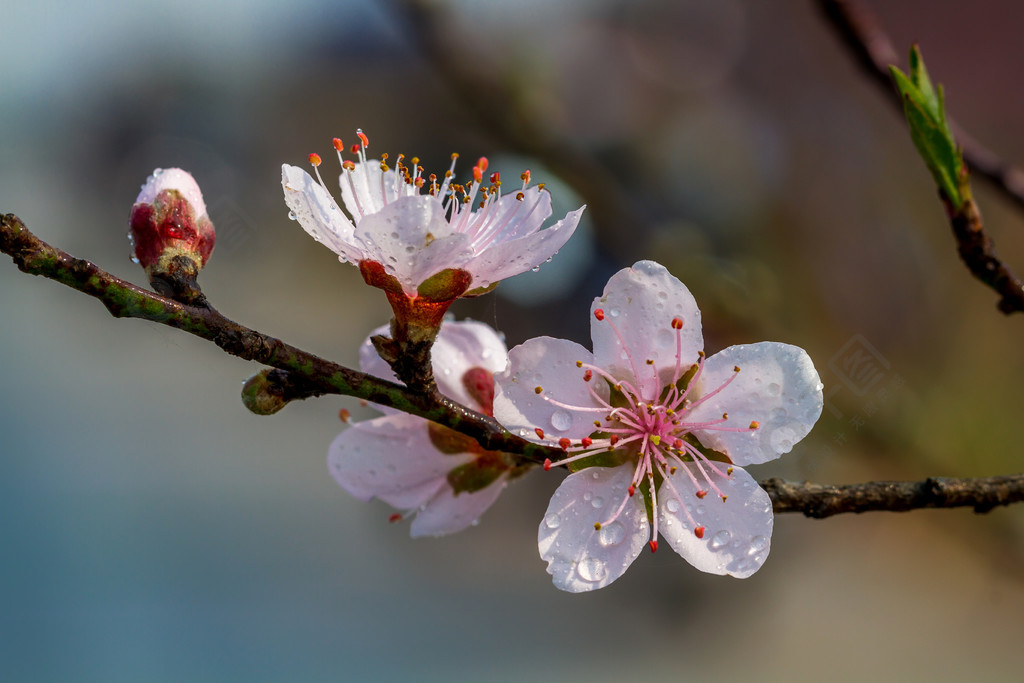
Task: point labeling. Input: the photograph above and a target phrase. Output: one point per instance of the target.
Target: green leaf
(924, 108)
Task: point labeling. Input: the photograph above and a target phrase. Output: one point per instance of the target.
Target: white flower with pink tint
(647, 413)
(420, 467)
(426, 236)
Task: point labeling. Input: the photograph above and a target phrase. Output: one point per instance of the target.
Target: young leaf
(924, 108)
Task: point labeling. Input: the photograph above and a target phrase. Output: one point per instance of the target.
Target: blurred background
(152, 529)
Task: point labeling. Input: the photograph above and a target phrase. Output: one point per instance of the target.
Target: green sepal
(446, 285)
(480, 291)
(709, 453)
(476, 475)
(924, 108)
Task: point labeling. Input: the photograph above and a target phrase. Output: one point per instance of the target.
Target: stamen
(540, 432)
(344, 415)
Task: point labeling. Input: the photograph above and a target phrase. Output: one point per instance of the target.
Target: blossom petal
(447, 512)
(459, 347)
(738, 531)
(581, 558)
(777, 386)
(505, 259)
(564, 407)
(639, 305)
(391, 458)
(509, 218)
(319, 215)
(411, 239)
(366, 189)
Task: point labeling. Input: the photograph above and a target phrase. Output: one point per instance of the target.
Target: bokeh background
(152, 529)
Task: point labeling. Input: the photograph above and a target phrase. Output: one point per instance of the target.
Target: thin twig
(309, 375)
(868, 43)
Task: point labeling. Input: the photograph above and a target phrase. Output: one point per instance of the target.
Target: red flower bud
(169, 219)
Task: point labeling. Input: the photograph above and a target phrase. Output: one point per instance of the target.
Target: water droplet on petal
(592, 570)
(720, 540)
(535, 269)
(561, 420)
(757, 544)
(598, 502)
(612, 534)
(292, 216)
(672, 505)
(774, 389)
(553, 520)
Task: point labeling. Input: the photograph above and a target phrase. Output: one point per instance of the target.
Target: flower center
(655, 432)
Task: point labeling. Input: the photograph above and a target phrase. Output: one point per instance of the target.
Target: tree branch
(867, 42)
(308, 375)
(125, 300)
(823, 500)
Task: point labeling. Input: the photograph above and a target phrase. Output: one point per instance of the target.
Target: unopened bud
(169, 220)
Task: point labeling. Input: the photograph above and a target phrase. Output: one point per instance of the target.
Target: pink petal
(374, 189)
(777, 386)
(510, 218)
(459, 347)
(550, 364)
(391, 458)
(581, 558)
(319, 215)
(411, 239)
(737, 533)
(502, 260)
(447, 512)
(641, 303)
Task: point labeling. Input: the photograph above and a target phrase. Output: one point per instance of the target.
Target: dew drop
(757, 544)
(592, 570)
(774, 389)
(598, 502)
(720, 540)
(561, 420)
(614, 313)
(587, 495)
(553, 520)
(292, 216)
(612, 534)
(672, 505)
(394, 235)
(535, 269)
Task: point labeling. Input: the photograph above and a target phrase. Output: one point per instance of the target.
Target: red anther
(677, 444)
(344, 415)
(564, 443)
(418, 182)
(338, 144)
(355, 148)
(520, 196)
(349, 165)
(586, 442)
(599, 313)
(677, 323)
(631, 490)
(754, 424)
(482, 164)
(699, 532)
(315, 159)
(588, 375)
(701, 494)
(395, 518)
(495, 178)
(525, 176)
(654, 546)
(614, 439)
(478, 174)
(540, 432)
(362, 138)
(547, 464)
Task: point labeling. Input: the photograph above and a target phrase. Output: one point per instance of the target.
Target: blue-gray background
(152, 529)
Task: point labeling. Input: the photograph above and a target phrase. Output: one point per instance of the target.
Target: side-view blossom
(426, 240)
(447, 479)
(646, 412)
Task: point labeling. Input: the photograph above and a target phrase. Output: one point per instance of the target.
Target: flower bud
(169, 220)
